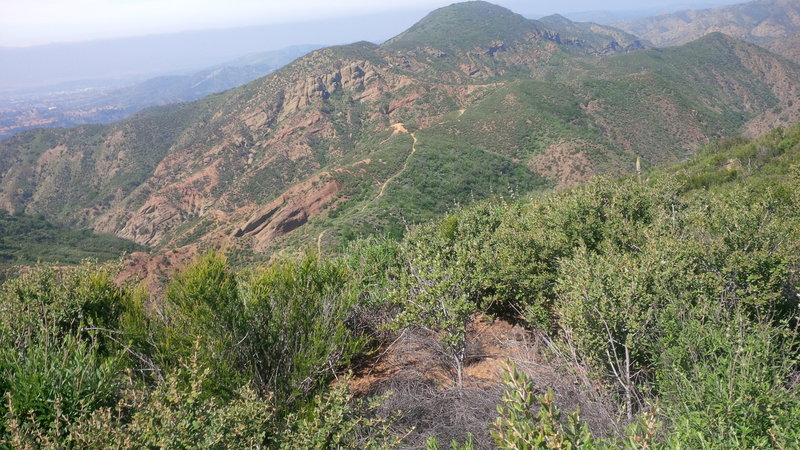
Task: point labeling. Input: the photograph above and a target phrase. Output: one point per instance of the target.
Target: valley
(446, 239)
(545, 104)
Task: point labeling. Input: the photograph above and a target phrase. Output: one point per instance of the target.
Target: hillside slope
(27, 241)
(62, 107)
(360, 139)
(762, 22)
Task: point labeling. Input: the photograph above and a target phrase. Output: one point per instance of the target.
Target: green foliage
(74, 347)
(47, 300)
(722, 380)
(336, 420)
(518, 428)
(177, 413)
(283, 327)
(202, 302)
(681, 297)
(298, 336)
(28, 240)
(57, 377)
(433, 444)
(667, 292)
(59, 335)
(434, 293)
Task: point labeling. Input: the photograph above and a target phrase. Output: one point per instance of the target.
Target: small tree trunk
(458, 358)
(628, 392)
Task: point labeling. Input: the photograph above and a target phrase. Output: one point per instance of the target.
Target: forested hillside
(26, 241)
(673, 294)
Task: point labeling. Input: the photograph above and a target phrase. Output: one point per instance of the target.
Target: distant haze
(145, 56)
(37, 22)
(272, 24)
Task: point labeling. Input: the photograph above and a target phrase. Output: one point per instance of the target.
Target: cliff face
(315, 146)
(763, 22)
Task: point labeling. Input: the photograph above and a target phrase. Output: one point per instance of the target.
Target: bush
(50, 301)
(722, 378)
(178, 413)
(59, 343)
(283, 327)
(336, 419)
(202, 302)
(60, 377)
(297, 334)
(518, 427)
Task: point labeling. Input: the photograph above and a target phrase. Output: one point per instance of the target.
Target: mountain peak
(463, 25)
(553, 18)
(716, 38)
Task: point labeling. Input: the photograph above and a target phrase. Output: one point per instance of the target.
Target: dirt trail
(319, 243)
(399, 128)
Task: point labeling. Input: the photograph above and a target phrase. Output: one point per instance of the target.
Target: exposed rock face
(289, 211)
(355, 76)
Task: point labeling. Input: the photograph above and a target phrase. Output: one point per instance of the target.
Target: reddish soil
(415, 355)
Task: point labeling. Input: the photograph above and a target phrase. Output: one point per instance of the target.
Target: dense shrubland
(27, 240)
(677, 293)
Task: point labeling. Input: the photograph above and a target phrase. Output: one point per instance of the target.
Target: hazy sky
(33, 22)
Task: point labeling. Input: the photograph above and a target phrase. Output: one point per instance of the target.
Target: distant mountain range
(472, 101)
(609, 16)
(70, 106)
(770, 23)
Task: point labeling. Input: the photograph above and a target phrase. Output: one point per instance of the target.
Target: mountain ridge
(762, 22)
(92, 104)
(314, 147)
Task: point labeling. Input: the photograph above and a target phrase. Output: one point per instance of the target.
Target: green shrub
(335, 419)
(62, 301)
(60, 336)
(54, 378)
(722, 378)
(297, 334)
(202, 302)
(178, 413)
(283, 327)
(518, 428)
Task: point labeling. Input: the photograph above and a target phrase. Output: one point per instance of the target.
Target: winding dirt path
(399, 128)
(319, 243)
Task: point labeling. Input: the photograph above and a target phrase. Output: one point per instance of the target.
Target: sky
(37, 22)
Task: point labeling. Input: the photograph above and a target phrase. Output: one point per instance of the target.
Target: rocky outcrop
(165, 209)
(289, 211)
(355, 76)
